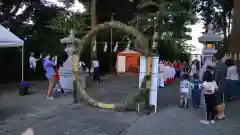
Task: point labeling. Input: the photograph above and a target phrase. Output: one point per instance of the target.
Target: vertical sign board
(142, 69)
(154, 83)
(149, 65)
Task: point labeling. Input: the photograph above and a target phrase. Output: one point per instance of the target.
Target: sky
(77, 7)
(197, 29)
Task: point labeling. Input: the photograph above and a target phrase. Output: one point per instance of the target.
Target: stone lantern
(66, 70)
(208, 41)
(208, 51)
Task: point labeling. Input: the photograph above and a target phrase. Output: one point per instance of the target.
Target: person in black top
(220, 74)
(197, 65)
(208, 69)
(185, 69)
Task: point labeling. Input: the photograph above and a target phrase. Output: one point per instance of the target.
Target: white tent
(8, 39)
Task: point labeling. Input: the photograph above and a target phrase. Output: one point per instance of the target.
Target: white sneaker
(212, 121)
(204, 122)
(50, 98)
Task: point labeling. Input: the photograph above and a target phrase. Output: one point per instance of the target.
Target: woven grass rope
(141, 46)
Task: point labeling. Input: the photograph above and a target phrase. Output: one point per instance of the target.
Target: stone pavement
(61, 117)
(171, 120)
(72, 121)
(115, 89)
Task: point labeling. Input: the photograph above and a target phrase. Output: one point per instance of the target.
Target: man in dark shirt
(220, 74)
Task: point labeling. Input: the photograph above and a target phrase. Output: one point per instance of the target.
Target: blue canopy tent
(8, 39)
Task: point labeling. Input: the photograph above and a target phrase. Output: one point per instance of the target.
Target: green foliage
(219, 13)
(42, 25)
(170, 20)
(31, 26)
(64, 21)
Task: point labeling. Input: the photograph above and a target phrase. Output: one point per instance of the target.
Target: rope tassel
(105, 47)
(116, 47)
(95, 46)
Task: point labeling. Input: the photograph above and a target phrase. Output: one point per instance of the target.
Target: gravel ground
(61, 117)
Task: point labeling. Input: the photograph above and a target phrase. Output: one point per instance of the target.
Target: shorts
(50, 75)
(184, 95)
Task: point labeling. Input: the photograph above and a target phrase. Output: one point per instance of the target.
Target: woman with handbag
(209, 89)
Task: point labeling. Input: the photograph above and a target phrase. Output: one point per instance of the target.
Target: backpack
(186, 69)
(196, 85)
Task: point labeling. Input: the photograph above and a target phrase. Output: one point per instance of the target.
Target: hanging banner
(95, 46)
(154, 45)
(105, 47)
(128, 44)
(116, 47)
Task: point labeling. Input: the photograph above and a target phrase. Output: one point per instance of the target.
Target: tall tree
(222, 22)
(168, 16)
(64, 22)
(234, 38)
(219, 13)
(28, 20)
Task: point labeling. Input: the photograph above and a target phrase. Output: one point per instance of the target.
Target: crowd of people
(209, 89)
(51, 67)
(167, 73)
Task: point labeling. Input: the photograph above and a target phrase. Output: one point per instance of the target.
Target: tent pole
(22, 63)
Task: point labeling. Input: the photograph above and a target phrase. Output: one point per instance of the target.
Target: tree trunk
(94, 23)
(234, 46)
(93, 12)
